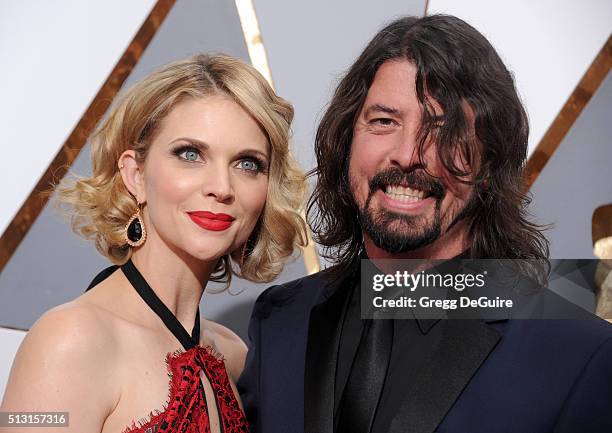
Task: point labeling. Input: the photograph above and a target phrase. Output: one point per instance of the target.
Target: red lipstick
(211, 221)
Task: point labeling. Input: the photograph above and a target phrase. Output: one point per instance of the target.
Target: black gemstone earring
(135, 233)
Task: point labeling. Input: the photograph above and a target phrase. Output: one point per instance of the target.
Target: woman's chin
(209, 253)
(207, 256)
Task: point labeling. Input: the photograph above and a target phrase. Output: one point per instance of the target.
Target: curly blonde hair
(100, 205)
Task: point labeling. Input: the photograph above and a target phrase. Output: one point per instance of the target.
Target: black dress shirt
(414, 343)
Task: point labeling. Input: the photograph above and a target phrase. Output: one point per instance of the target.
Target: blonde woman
(192, 181)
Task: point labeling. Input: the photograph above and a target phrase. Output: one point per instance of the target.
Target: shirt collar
(425, 324)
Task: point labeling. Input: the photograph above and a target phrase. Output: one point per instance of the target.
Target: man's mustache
(415, 179)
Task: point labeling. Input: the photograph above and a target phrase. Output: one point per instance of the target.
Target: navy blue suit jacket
(522, 376)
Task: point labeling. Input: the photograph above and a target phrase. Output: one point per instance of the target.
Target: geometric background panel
(576, 179)
(10, 339)
(55, 56)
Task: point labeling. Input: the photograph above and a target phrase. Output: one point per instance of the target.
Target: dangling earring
(247, 249)
(251, 242)
(135, 233)
(242, 256)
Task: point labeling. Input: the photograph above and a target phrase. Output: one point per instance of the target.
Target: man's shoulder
(299, 293)
(581, 335)
(594, 329)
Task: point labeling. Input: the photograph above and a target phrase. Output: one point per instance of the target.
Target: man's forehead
(395, 76)
(393, 90)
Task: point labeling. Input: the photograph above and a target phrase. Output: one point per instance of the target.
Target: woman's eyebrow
(247, 152)
(194, 141)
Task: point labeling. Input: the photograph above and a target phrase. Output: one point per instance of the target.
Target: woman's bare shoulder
(66, 354)
(76, 325)
(229, 344)
(71, 335)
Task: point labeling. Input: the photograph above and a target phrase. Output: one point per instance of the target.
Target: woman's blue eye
(188, 153)
(249, 165)
(191, 155)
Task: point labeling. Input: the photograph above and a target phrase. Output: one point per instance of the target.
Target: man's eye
(382, 121)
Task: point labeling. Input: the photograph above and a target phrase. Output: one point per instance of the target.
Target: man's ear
(132, 175)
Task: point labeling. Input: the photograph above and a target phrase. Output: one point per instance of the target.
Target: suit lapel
(321, 357)
(463, 348)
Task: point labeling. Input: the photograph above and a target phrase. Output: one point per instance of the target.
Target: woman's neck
(178, 279)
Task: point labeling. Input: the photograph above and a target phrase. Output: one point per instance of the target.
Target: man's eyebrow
(380, 108)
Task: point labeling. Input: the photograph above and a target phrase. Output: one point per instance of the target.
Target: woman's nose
(218, 184)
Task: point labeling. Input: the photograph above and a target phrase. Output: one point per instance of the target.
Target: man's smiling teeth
(401, 193)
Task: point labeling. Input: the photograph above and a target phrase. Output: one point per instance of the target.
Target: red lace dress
(187, 409)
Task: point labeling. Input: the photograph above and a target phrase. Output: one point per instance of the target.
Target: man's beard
(410, 231)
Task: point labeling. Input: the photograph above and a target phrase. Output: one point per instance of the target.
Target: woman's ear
(132, 175)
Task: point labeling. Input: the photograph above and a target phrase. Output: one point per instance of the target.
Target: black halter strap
(148, 295)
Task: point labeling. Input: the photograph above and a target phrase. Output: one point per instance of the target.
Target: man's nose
(218, 184)
(405, 152)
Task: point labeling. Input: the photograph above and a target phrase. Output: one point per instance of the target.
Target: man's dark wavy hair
(455, 64)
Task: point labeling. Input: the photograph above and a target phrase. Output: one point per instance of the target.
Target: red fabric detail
(186, 410)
